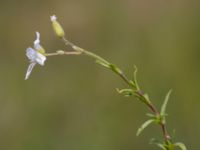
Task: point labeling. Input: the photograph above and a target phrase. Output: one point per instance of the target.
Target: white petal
(30, 68)
(40, 59)
(53, 17)
(37, 41)
(35, 56)
(31, 53)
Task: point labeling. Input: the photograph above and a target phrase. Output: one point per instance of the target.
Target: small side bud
(57, 27)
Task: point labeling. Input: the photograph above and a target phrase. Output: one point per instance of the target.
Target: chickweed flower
(36, 55)
(57, 27)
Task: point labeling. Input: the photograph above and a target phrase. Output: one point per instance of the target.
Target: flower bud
(57, 27)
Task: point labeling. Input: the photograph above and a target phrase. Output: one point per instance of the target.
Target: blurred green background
(71, 102)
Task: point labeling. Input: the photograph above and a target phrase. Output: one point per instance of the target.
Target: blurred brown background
(71, 102)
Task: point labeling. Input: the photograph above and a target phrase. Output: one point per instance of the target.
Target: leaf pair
(169, 146)
(155, 118)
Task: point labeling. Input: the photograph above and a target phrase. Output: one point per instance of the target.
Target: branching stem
(115, 69)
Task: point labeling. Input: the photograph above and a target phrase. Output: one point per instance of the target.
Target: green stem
(60, 52)
(95, 56)
(115, 69)
(120, 73)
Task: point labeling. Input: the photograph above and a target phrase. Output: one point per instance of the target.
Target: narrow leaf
(161, 146)
(135, 78)
(146, 96)
(144, 125)
(151, 115)
(158, 143)
(180, 145)
(164, 105)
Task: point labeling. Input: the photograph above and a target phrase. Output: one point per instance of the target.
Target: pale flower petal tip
(53, 17)
(37, 40)
(37, 35)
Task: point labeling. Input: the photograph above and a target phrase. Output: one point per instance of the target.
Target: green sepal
(180, 145)
(125, 92)
(144, 125)
(41, 50)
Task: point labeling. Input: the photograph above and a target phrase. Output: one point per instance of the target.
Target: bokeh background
(71, 103)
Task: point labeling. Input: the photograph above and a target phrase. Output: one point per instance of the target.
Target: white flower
(35, 55)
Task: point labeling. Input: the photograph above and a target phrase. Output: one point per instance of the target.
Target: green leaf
(135, 78)
(161, 146)
(180, 145)
(151, 115)
(146, 96)
(132, 83)
(144, 125)
(158, 143)
(125, 92)
(164, 105)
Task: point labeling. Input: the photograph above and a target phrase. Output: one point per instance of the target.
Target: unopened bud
(57, 27)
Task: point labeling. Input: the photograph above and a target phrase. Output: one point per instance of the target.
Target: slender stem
(62, 53)
(95, 56)
(76, 48)
(67, 42)
(118, 71)
(124, 77)
(165, 133)
(150, 105)
(156, 112)
(153, 109)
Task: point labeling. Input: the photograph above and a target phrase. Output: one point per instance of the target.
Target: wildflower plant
(37, 55)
